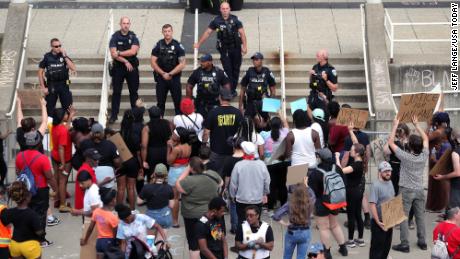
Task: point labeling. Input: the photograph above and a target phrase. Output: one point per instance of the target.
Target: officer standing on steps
(323, 81)
(231, 42)
(254, 87)
(168, 61)
(124, 46)
(209, 79)
(55, 66)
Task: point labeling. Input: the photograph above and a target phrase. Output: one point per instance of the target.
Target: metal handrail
(283, 77)
(21, 64)
(195, 50)
(102, 117)
(366, 73)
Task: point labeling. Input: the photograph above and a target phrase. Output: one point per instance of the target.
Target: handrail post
(102, 117)
(392, 41)
(366, 74)
(283, 82)
(195, 50)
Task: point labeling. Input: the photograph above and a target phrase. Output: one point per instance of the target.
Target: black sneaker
(360, 242)
(401, 248)
(112, 120)
(327, 253)
(350, 244)
(422, 246)
(343, 250)
(53, 222)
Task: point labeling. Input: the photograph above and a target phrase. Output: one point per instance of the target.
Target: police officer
(255, 85)
(323, 81)
(55, 67)
(168, 61)
(231, 42)
(124, 46)
(209, 79)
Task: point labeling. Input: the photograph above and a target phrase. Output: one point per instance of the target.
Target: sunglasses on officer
(56, 46)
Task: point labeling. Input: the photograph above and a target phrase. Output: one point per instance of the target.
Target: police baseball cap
(206, 57)
(97, 128)
(257, 55)
(384, 166)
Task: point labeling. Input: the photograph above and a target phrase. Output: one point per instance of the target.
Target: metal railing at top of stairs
(366, 73)
(106, 79)
(282, 72)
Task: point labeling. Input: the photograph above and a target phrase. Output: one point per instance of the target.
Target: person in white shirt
(248, 132)
(319, 125)
(91, 199)
(189, 119)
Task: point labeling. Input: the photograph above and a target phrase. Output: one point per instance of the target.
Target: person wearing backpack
(34, 168)
(446, 236)
(190, 120)
(381, 191)
(326, 209)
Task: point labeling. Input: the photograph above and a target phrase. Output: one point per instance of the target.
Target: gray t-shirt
(412, 166)
(381, 191)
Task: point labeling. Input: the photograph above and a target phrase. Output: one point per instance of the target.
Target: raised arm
(353, 137)
(420, 131)
(44, 122)
(391, 138)
(19, 114)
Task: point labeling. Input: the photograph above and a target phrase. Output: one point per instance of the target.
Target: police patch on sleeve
(272, 75)
(334, 72)
(225, 74)
(181, 46)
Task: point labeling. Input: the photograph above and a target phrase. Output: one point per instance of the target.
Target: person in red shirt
(337, 133)
(449, 231)
(92, 157)
(61, 153)
(40, 166)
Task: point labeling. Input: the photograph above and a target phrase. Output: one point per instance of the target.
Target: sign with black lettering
(358, 117)
(421, 105)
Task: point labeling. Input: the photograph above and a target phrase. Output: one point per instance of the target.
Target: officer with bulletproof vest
(209, 80)
(255, 85)
(323, 81)
(231, 42)
(124, 46)
(168, 61)
(55, 66)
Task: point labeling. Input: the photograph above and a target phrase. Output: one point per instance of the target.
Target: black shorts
(129, 168)
(323, 211)
(190, 234)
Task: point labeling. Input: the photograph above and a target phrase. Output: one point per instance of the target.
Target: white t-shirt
(138, 228)
(195, 118)
(103, 172)
(91, 198)
(318, 129)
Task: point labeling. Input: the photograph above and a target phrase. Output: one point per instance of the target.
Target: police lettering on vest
(249, 236)
(124, 42)
(55, 67)
(258, 83)
(228, 36)
(208, 87)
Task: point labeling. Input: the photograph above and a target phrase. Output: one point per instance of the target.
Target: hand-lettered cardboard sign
(444, 164)
(30, 98)
(377, 147)
(123, 150)
(87, 251)
(358, 117)
(422, 105)
(392, 212)
(296, 173)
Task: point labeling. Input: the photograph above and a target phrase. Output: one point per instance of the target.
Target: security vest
(124, 42)
(227, 34)
(208, 88)
(168, 60)
(56, 70)
(248, 236)
(5, 232)
(258, 83)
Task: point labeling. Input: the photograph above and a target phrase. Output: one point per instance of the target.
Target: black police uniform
(229, 45)
(57, 81)
(120, 72)
(208, 88)
(257, 84)
(317, 84)
(168, 58)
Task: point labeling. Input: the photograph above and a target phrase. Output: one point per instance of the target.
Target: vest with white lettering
(5, 232)
(248, 236)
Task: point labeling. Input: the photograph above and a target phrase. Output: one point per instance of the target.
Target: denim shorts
(174, 174)
(162, 217)
(103, 244)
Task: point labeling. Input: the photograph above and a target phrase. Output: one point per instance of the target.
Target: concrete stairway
(87, 84)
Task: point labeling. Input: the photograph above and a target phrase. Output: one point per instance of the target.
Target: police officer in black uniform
(255, 85)
(231, 42)
(209, 80)
(55, 66)
(323, 82)
(124, 46)
(168, 61)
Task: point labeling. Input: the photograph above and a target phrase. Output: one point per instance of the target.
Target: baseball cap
(384, 166)
(32, 138)
(318, 114)
(161, 170)
(206, 57)
(97, 128)
(315, 248)
(92, 153)
(248, 148)
(441, 117)
(257, 55)
(226, 93)
(324, 153)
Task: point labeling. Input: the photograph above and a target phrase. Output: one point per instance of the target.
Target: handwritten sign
(377, 148)
(422, 105)
(296, 173)
(358, 117)
(123, 150)
(444, 164)
(30, 98)
(392, 212)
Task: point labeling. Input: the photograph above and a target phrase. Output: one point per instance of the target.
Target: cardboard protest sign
(123, 150)
(296, 174)
(87, 251)
(444, 164)
(30, 98)
(392, 212)
(271, 105)
(358, 117)
(422, 105)
(377, 146)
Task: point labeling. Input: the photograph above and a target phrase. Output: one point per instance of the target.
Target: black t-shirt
(354, 178)
(157, 196)
(363, 139)
(22, 141)
(106, 149)
(223, 122)
(229, 163)
(268, 236)
(26, 223)
(213, 230)
(455, 182)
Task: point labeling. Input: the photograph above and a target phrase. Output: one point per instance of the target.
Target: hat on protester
(441, 117)
(257, 55)
(226, 93)
(248, 148)
(206, 57)
(324, 153)
(384, 166)
(318, 114)
(316, 248)
(32, 138)
(186, 106)
(97, 128)
(92, 153)
(161, 170)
